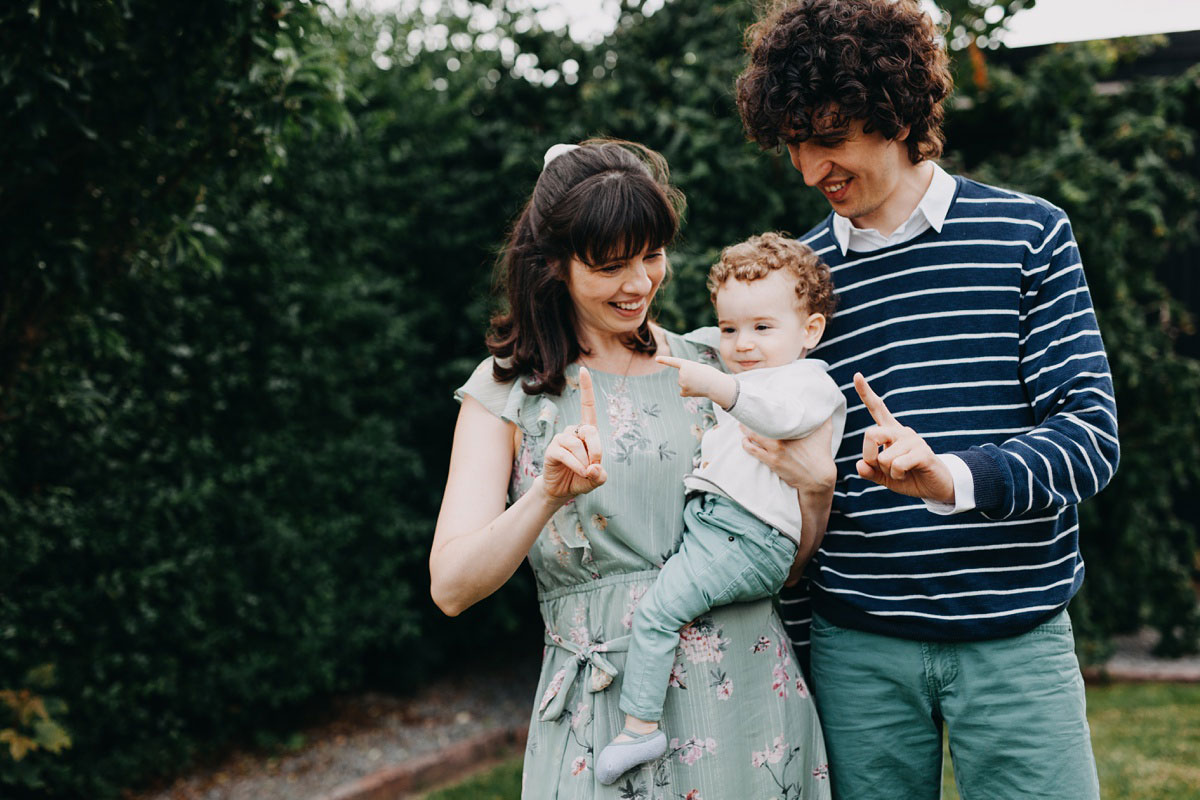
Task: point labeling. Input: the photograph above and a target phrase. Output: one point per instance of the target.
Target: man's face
(858, 172)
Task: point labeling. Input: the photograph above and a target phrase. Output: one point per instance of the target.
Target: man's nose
(811, 165)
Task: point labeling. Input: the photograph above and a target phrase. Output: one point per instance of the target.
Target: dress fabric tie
(600, 674)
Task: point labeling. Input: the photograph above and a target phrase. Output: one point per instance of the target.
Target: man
(939, 592)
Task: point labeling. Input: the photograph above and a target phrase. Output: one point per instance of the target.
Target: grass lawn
(1146, 738)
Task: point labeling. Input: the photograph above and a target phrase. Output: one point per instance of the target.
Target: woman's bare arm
(478, 543)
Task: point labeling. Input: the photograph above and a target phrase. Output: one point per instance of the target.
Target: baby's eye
(727, 331)
(762, 326)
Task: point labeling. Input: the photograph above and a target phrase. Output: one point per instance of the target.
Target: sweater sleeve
(788, 402)
(1072, 451)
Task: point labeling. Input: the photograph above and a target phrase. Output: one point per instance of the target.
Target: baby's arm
(788, 403)
(701, 380)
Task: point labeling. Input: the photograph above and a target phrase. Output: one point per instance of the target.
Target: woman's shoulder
(507, 399)
(702, 344)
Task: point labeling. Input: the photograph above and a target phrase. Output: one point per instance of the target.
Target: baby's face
(762, 323)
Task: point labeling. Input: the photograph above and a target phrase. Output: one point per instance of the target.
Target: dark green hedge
(221, 458)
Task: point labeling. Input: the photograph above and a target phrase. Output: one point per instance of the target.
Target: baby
(741, 522)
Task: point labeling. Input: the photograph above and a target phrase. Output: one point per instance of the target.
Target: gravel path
(366, 733)
(370, 732)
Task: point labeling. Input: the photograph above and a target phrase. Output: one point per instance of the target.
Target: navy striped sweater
(982, 338)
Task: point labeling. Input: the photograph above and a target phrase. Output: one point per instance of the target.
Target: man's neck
(913, 183)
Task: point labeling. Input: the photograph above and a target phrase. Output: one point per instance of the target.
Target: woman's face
(612, 299)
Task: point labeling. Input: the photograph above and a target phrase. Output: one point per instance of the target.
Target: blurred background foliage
(248, 255)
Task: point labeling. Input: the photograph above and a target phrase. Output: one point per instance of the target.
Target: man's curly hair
(822, 63)
(759, 256)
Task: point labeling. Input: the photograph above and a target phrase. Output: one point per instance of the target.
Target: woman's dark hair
(603, 201)
(826, 62)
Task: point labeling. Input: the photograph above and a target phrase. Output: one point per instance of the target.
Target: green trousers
(1013, 710)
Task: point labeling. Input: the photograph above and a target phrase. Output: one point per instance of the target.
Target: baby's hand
(701, 380)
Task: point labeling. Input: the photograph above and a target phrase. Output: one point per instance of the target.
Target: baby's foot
(626, 751)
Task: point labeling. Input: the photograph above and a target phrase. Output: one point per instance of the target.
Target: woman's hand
(572, 462)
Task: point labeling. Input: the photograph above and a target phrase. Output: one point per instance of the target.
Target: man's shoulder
(820, 235)
(975, 198)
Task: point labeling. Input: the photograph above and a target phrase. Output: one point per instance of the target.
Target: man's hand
(897, 457)
(701, 380)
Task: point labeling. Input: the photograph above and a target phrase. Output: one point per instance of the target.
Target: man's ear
(902, 134)
(814, 329)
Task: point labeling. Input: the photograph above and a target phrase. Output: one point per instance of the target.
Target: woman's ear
(814, 329)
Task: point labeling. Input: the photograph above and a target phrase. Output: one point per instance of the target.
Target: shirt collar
(933, 208)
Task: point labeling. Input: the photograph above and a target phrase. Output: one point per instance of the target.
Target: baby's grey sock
(619, 757)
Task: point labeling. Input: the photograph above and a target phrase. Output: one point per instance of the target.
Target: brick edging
(427, 771)
(1163, 674)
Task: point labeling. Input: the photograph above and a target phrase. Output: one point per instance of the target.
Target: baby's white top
(787, 402)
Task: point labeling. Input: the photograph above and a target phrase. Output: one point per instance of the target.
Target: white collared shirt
(929, 213)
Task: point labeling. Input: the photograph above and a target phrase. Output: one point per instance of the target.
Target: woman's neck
(610, 353)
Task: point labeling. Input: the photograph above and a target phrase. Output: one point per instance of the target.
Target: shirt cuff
(964, 488)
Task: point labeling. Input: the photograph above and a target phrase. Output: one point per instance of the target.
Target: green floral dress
(739, 719)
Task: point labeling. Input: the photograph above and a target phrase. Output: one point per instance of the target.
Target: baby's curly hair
(822, 63)
(760, 255)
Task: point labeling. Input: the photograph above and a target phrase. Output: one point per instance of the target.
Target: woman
(575, 427)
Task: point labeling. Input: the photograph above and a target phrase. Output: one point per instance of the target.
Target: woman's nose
(639, 281)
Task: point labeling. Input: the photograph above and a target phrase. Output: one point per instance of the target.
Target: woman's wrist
(543, 497)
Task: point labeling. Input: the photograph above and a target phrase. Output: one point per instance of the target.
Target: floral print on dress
(722, 684)
(702, 641)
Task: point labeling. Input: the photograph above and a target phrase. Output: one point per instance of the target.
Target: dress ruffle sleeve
(534, 415)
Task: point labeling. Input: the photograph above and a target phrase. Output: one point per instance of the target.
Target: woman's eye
(655, 254)
(611, 269)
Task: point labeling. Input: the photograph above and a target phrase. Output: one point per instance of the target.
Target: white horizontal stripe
(971, 549)
(1059, 321)
(916, 506)
(1063, 246)
(825, 250)
(924, 340)
(949, 595)
(1053, 389)
(961, 220)
(982, 312)
(948, 410)
(1022, 200)
(952, 572)
(1092, 427)
(933, 244)
(1094, 390)
(1009, 613)
(875, 488)
(1057, 298)
(941, 362)
(962, 527)
(1063, 363)
(1057, 342)
(1076, 267)
(904, 273)
(926, 292)
(817, 235)
(939, 434)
